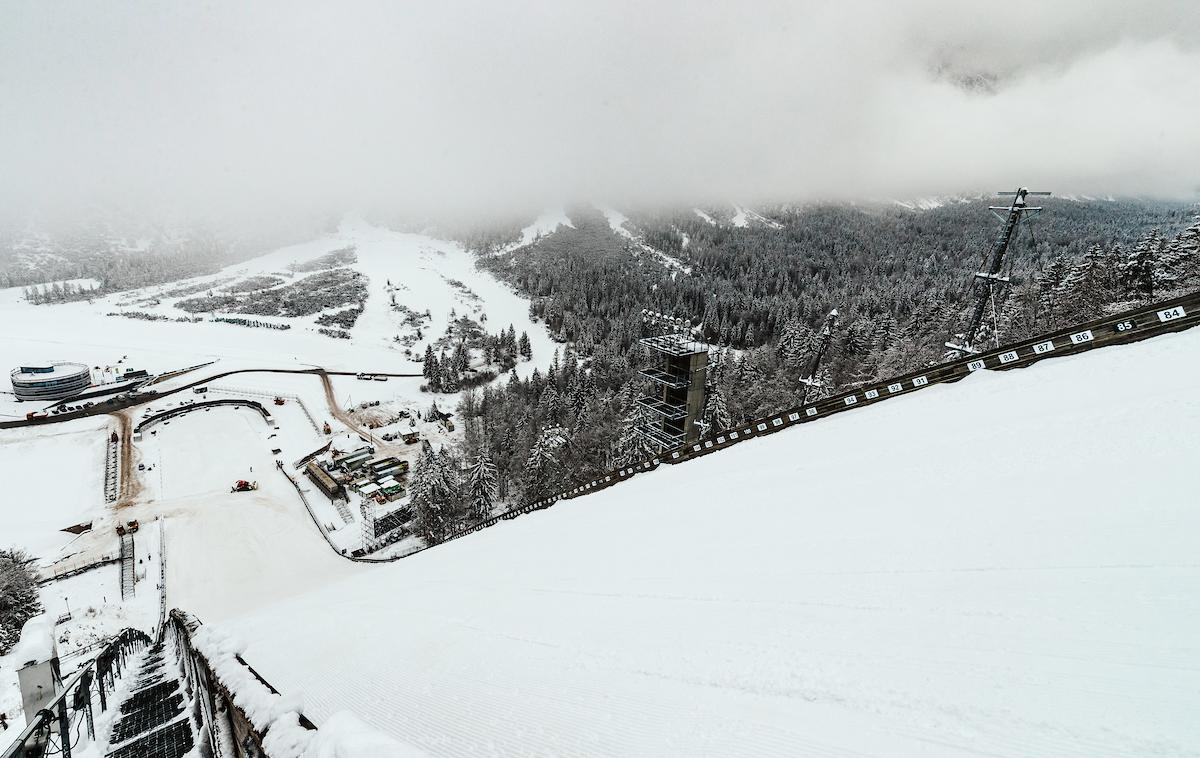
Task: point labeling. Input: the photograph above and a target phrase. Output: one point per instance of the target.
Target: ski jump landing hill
(1006, 567)
(1134, 325)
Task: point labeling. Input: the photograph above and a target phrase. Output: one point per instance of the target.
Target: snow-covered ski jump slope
(1007, 567)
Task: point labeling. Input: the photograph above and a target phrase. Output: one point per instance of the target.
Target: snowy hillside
(617, 222)
(426, 275)
(410, 288)
(927, 577)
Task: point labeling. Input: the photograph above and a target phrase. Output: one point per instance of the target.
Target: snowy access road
(1007, 567)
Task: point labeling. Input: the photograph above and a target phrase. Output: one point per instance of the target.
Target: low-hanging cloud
(237, 107)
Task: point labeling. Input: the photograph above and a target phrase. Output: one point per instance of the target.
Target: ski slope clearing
(547, 223)
(1002, 567)
(616, 222)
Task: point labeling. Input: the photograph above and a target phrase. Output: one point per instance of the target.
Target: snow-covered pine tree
(858, 337)
(542, 474)
(432, 371)
(716, 412)
(433, 493)
(886, 332)
(481, 486)
(1136, 272)
(548, 405)
(794, 343)
(631, 445)
(460, 359)
(425, 514)
(1174, 261)
(1049, 288)
(19, 599)
(1087, 287)
(447, 484)
(449, 378)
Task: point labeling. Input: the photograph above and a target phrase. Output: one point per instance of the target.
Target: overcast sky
(420, 105)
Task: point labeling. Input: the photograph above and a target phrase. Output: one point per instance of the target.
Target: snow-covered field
(228, 551)
(426, 274)
(1002, 567)
(53, 478)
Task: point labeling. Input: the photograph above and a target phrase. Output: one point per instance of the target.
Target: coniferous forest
(899, 279)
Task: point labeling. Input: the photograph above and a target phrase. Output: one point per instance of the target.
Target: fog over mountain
(242, 108)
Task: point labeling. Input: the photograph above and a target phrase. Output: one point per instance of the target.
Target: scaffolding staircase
(128, 573)
(112, 470)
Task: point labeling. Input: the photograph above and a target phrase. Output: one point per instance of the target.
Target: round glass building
(51, 381)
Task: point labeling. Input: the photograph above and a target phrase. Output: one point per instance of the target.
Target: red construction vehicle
(243, 486)
(279, 400)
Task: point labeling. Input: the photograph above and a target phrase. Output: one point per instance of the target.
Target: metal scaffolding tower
(677, 372)
(990, 276)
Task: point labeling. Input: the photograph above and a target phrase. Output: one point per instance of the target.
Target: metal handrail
(669, 411)
(78, 686)
(16, 749)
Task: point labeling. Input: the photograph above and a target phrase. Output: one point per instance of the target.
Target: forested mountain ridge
(884, 266)
(900, 279)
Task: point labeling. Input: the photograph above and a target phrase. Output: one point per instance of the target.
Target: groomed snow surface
(1003, 567)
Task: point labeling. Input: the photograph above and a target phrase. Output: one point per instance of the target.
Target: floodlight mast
(677, 368)
(985, 281)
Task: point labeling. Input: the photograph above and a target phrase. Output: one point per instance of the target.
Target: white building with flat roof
(50, 381)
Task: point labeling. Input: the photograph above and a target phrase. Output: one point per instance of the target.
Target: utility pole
(986, 280)
(809, 376)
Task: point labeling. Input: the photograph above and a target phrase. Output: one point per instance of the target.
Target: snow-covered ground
(228, 551)
(1004, 567)
(425, 274)
(53, 478)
